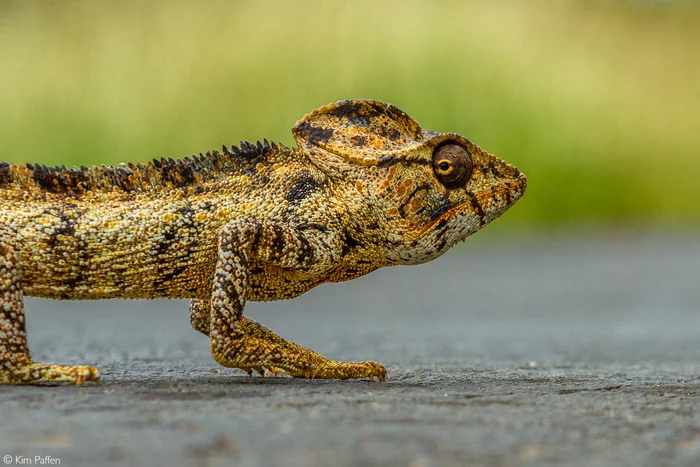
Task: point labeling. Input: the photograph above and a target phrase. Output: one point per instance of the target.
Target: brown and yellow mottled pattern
(365, 188)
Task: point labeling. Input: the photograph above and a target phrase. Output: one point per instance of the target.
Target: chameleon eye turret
(452, 165)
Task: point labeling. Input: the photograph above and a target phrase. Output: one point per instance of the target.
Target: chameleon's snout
(517, 181)
(501, 185)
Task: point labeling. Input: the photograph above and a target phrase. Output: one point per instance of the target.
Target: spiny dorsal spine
(159, 174)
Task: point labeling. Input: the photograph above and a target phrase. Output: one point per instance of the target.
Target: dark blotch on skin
(5, 176)
(364, 113)
(305, 253)
(475, 204)
(353, 109)
(442, 208)
(350, 272)
(165, 242)
(350, 244)
(391, 159)
(225, 283)
(304, 187)
(66, 227)
(167, 277)
(442, 223)
(443, 228)
(44, 178)
(252, 153)
(70, 284)
(416, 190)
(278, 239)
(179, 174)
(187, 213)
(315, 133)
(256, 238)
(118, 177)
(358, 141)
(312, 226)
(509, 194)
(487, 169)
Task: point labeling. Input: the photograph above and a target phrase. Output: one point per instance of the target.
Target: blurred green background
(598, 102)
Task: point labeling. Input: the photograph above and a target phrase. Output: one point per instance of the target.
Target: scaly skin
(365, 188)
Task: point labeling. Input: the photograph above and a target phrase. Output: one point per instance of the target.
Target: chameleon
(365, 187)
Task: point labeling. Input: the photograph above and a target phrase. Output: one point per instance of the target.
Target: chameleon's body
(365, 188)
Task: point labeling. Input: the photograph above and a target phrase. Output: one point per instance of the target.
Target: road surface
(577, 351)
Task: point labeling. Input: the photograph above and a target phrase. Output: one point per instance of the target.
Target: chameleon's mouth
(479, 208)
(498, 198)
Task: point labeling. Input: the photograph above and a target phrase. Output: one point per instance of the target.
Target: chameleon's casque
(365, 188)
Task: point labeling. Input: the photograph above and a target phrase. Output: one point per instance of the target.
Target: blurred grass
(598, 102)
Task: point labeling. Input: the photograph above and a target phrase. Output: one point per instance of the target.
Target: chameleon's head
(427, 190)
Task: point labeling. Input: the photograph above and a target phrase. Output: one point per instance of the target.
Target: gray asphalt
(579, 351)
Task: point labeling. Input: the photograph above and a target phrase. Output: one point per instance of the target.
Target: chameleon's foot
(331, 369)
(257, 348)
(309, 366)
(34, 373)
(250, 354)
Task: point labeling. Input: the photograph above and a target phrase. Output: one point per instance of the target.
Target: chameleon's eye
(452, 165)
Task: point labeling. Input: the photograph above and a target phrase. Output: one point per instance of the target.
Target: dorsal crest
(160, 174)
(363, 131)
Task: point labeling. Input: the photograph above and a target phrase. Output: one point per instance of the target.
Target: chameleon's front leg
(200, 319)
(242, 343)
(16, 365)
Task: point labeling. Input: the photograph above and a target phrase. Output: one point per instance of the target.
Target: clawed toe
(258, 369)
(88, 374)
(263, 371)
(376, 370)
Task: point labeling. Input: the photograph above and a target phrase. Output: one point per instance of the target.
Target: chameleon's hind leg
(16, 366)
(240, 342)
